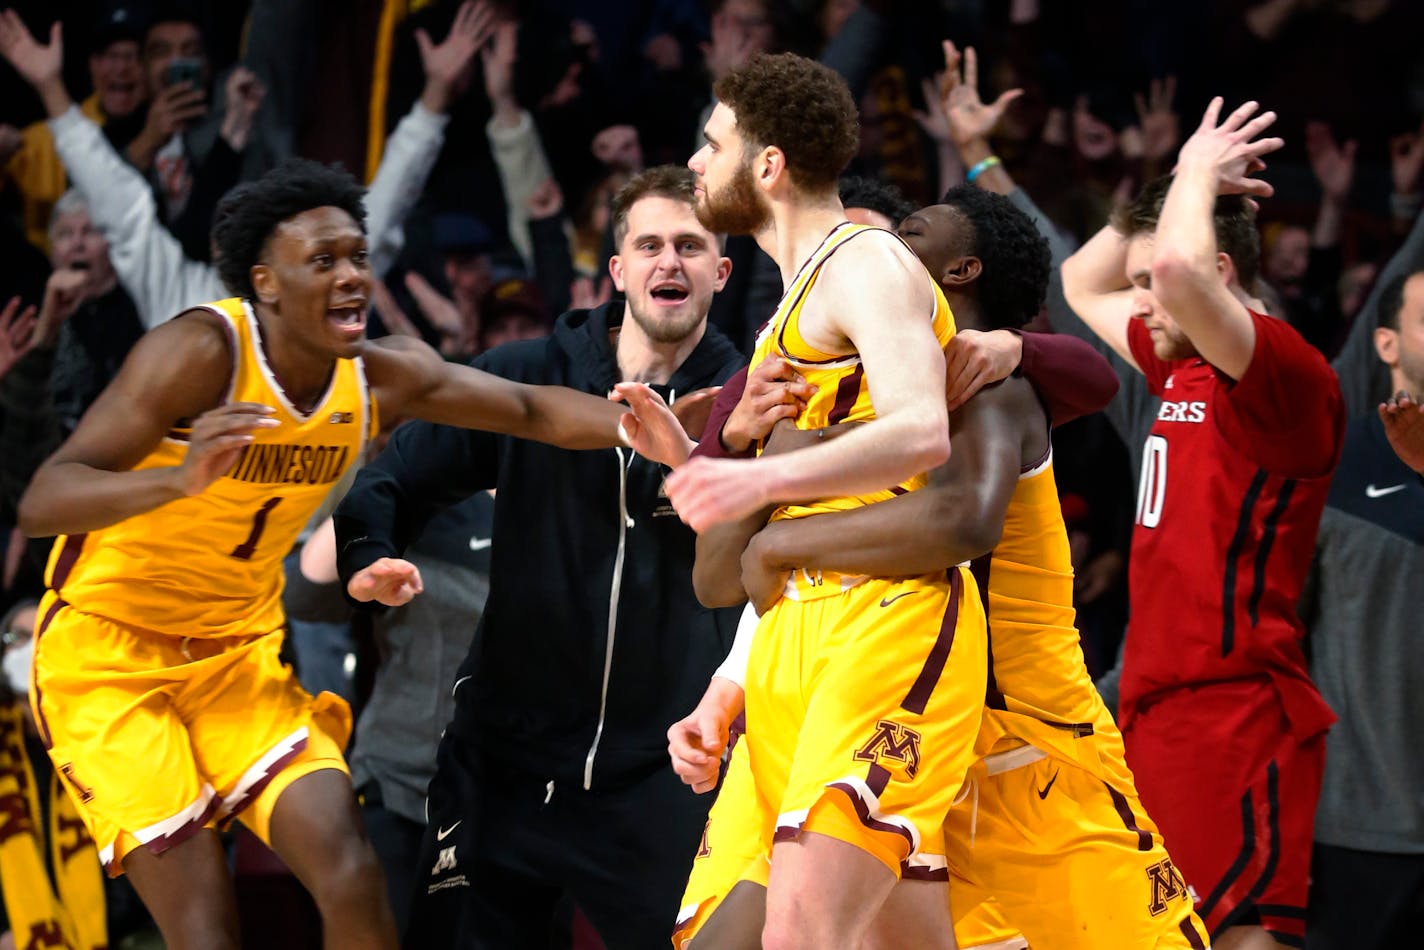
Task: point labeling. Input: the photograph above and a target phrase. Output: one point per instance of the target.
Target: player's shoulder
(198, 340)
(874, 259)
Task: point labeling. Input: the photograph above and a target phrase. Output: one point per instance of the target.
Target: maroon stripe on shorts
(189, 828)
(919, 695)
(73, 545)
(877, 777)
(251, 794)
(1129, 820)
(846, 394)
(40, 720)
(920, 873)
(862, 811)
(1191, 934)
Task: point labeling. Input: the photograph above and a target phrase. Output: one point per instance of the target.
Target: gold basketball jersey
(1039, 689)
(211, 565)
(842, 394)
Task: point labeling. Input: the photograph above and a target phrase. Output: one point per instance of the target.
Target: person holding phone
(190, 148)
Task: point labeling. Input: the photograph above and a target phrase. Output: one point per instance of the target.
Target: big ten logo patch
(1167, 885)
(893, 747)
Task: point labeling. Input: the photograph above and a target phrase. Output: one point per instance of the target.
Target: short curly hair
(1233, 219)
(248, 215)
(875, 194)
(799, 106)
(1012, 286)
(674, 182)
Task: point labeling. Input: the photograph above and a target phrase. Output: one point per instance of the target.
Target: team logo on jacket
(893, 747)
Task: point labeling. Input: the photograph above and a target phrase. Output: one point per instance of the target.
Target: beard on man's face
(737, 209)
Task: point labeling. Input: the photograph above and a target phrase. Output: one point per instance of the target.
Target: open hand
(1332, 163)
(966, 117)
(449, 65)
(1403, 420)
(16, 333)
(388, 580)
(651, 428)
(1230, 151)
(37, 64)
(218, 438)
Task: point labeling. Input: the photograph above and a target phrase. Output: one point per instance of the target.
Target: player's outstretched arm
(411, 379)
(957, 517)
(1186, 266)
(1096, 287)
(177, 372)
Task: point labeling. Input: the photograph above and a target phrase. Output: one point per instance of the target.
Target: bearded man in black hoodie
(553, 777)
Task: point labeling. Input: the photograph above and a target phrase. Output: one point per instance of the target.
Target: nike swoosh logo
(1044, 792)
(887, 601)
(479, 544)
(1373, 492)
(442, 833)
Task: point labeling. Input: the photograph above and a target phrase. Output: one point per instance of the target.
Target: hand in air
(1403, 420)
(1230, 151)
(218, 438)
(388, 580)
(36, 63)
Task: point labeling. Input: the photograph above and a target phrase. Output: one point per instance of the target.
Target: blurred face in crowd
(1355, 283)
(1288, 257)
(511, 327)
(728, 200)
(1168, 340)
(834, 14)
(314, 274)
(167, 42)
(1402, 350)
(76, 243)
(470, 277)
(752, 23)
(618, 147)
(118, 78)
(668, 267)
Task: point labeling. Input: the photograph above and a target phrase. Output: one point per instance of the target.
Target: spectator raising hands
(16, 333)
(448, 66)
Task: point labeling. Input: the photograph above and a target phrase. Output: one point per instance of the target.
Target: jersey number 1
(245, 550)
(1152, 488)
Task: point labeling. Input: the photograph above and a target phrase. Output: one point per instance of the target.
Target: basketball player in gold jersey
(1054, 831)
(157, 686)
(865, 717)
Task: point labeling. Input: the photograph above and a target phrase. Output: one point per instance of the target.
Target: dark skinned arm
(413, 381)
(178, 371)
(957, 517)
(717, 572)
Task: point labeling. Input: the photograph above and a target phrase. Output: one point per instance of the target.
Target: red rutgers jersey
(1234, 478)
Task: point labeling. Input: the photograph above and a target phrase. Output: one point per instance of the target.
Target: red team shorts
(1233, 791)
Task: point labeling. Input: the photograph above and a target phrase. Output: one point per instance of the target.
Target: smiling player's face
(314, 273)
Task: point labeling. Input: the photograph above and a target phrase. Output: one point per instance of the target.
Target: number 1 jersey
(211, 565)
(1234, 479)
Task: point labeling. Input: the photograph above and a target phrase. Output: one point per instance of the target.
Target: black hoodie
(592, 641)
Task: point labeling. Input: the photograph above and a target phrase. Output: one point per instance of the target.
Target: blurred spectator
(1361, 610)
(418, 650)
(553, 776)
(115, 69)
(513, 310)
(50, 875)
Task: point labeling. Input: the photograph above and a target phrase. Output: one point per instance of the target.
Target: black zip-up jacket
(592, 641)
